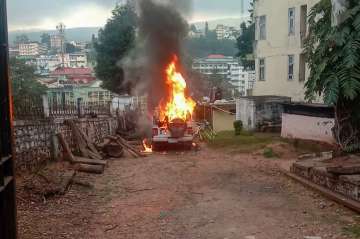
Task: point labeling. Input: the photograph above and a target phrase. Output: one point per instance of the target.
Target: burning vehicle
(172, 120)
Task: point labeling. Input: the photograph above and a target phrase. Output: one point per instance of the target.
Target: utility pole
(8, 226)
(61, 34)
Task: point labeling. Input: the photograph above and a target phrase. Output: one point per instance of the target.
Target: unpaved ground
(207, 194)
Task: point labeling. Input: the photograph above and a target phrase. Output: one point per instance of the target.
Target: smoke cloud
(162, 30)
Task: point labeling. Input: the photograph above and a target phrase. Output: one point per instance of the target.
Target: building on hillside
(195, 33)
(14, 51)
(49, 63)
(226, 32)
(242, 80)
(228, 66)
(57, 42)
(220, 31)
(214, 64)
(280, 33)
(75, 60)
(73, 75)
(32, 49)
(91, 93)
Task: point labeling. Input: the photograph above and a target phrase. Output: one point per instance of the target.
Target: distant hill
(72, 34)
(232, 22)
(85, 33)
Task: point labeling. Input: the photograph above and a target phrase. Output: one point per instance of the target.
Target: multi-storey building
(32, 49)
(228, 66)
(242, 80)
(57, 42)
(214, 64)
(280, 33)
(47, 64)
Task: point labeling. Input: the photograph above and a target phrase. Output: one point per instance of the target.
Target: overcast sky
(45, 14)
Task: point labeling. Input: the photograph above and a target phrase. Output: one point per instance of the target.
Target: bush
(238, 126)
(269, 153)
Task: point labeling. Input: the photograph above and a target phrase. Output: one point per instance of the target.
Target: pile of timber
(89, 159)
(129, 147)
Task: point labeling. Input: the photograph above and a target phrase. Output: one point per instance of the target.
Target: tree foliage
(25, 87)
(334, 59)
(209, 44)
(115, 40)
(245, 45)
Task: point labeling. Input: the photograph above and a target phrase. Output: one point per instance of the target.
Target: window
(262, 27)
(262, 69)
(290, 67)
(291, 21)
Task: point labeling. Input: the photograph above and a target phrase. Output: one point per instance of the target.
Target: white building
(32, 49)
(242, 80)
(47, 64)
(228, 66)
(57, 42)
(225, 32)
(220, 31)
(214, 64)
(75, 60)
(280, 32)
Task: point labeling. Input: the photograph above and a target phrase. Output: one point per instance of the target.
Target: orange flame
(147, 149)
(178, 105)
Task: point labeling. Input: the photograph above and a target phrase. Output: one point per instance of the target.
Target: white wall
(306, 127)
(245, 111)
(277, 46)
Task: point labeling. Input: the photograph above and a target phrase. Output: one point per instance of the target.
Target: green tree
(246, 40)
(245, 45)
(45, 39)
(70, 48)
(115, 41)
(334, 60)
(23, 38)
(25, 86)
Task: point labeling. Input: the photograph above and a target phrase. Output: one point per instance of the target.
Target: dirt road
(207, 194)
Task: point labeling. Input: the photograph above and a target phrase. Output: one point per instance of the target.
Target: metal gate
(7, 181)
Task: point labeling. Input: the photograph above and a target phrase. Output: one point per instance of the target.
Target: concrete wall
(222, 121)
(34, 140)
(277, 46)
(253, 111)
(245, 111)
(306, 127)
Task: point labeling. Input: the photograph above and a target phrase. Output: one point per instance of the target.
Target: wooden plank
(67, 151)
(349, 203)
(89, 143)
(95, 169)
(94, 156)
(80, 142)
(89, 161)
(344, 169)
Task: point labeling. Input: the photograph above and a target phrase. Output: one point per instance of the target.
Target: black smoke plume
(163, 30)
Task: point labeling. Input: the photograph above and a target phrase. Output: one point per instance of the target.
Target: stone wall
(35, 141)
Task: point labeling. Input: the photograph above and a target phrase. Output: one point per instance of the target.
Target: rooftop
(72, 71)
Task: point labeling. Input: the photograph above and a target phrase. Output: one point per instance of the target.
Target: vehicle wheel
(188, 145)
(156, 147)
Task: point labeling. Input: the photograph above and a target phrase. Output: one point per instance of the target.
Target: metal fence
(30, 109)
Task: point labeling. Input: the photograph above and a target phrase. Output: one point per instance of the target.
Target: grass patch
(244, 143)
(353, 231)
(269, 153)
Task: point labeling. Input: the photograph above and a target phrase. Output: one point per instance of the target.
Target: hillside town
(180, 119)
